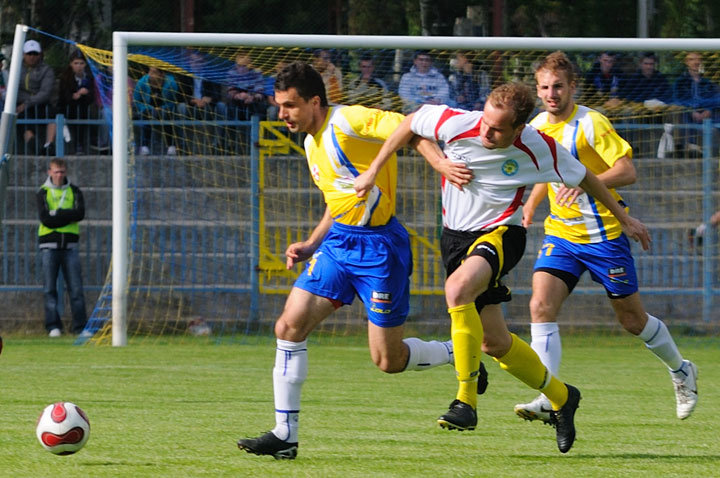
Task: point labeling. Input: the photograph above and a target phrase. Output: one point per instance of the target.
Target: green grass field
(177, 411)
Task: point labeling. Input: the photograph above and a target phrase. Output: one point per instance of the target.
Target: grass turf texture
(177, 410)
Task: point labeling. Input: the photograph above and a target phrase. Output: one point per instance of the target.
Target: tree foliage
(93, 21)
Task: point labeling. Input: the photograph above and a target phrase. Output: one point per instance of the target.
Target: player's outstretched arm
(301, 251)
(633, 228)
(399, 138)
(622, 173)
(457, 174)
(537, 195)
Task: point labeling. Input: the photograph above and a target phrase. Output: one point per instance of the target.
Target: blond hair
(514, 96)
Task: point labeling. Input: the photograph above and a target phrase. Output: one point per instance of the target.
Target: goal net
(209, 188)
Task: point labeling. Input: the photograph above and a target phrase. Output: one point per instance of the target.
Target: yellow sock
(522, 362)
(556, 392)
(467, 335)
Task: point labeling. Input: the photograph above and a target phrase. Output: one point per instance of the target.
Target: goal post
(7, 120)
(528, 50)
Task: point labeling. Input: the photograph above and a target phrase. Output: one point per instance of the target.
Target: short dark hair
(514, 96)
(648, 54)
(304, 78)
(77, 55)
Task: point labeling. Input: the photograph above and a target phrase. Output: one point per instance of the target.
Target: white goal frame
(121, 121)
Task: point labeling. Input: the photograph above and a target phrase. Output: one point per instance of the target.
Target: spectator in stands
(331, 75)
(3, 79)
(272, 109)
(647, 85)
(367, 88)
(606, 79)
(648, 88)
(77, 100)
(34, 98)
(155, 97)
(423, 84)
(201, 101)
(200, 95)
(61, 207)
(470, 87)
(246, 89)
(700, 94)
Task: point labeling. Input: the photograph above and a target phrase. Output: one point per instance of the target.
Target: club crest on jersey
(510, 167)
(315, 171)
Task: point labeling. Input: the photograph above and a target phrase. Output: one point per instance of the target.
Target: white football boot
(538, 409)
(686, 394)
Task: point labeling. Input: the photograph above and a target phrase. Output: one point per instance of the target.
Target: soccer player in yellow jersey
(581, 235)
(358, 248)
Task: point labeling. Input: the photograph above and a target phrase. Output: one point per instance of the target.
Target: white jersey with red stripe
(494, 196)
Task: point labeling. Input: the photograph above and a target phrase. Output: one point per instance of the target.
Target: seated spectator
(468, 86)
(155, 97)
(694, 91)
(200, 95)
(77, 96)
(331, 75)
(647, 85)
(201, 101)
(423, 84)
(272, 110)
(606, 79)
(34, 97)
(367, 89)
(246, 89)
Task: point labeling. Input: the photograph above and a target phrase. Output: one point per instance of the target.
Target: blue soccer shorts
(373, 263)
(610, 264)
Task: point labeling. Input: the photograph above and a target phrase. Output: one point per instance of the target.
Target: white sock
(424, 355)
(289, 373)
(547, 344)
(657, 338)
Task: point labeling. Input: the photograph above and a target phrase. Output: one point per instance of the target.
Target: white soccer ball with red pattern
(63, 428)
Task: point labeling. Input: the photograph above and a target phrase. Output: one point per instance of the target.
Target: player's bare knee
(540, 310)
(389, 364)
(632, 321)
(285, 331)
(496, 345)
(459, 292)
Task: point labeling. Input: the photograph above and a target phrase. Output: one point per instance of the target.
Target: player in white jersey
(483, 237)
(358, 248)
(582, 235)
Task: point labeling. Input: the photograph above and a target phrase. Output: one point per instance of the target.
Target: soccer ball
(63, 428)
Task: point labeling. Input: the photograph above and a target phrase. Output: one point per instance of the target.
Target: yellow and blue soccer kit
(586, 235)
(366, 251)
